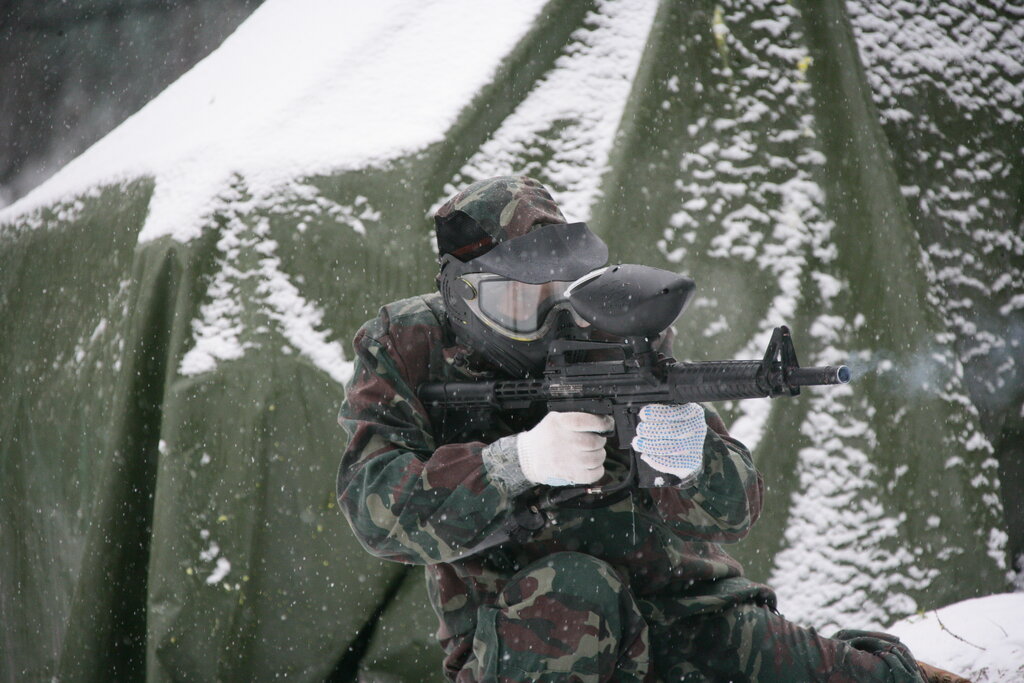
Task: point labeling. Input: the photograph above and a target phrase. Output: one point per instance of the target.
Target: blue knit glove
(670, 438)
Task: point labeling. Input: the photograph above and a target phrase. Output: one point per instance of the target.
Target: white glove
(670, 438)
(564, 449)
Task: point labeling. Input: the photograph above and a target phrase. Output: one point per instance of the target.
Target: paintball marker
(634, 304)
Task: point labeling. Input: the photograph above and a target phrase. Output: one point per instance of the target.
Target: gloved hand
(564, 449)
(670, 438)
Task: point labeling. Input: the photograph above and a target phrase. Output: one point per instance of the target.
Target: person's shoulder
(419, 315)
(417, 311)
(424, 309)
(410, 332)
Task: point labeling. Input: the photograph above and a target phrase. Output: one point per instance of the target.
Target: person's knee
(576, 580)
(568, 613)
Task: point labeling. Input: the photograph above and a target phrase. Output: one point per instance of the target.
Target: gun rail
(685, 383)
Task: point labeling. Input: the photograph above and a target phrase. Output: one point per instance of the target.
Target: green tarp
(168, 441)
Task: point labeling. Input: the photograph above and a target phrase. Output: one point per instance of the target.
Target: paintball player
(632, 588)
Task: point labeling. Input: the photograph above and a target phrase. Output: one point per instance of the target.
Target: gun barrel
(825, 374)
(739, 379)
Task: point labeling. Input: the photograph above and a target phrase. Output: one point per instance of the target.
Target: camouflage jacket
(414, 489)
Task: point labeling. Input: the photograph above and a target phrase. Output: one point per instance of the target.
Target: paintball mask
(509, 304)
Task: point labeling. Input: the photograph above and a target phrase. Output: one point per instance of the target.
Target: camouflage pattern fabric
(566, 617)
(570, 617)
(413, 486)
(491, 211)
(751, 642)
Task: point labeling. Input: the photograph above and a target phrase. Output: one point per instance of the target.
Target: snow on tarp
(303, 87)
(177, 304)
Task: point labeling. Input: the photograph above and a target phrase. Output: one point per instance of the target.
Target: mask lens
(517, 306)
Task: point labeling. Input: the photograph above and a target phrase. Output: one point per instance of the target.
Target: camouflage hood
(490, 212)
(510, 227)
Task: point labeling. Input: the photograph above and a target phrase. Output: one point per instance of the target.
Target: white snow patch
(981, 638)
(749, 427)
(219, 572)
(210, 553)
(220, 333)
(302, 87)
(563, 131)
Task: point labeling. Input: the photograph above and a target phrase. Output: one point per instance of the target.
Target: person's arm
(724, 499)
(407, 498)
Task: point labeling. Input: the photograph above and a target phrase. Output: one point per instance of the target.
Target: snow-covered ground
(982, 639)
